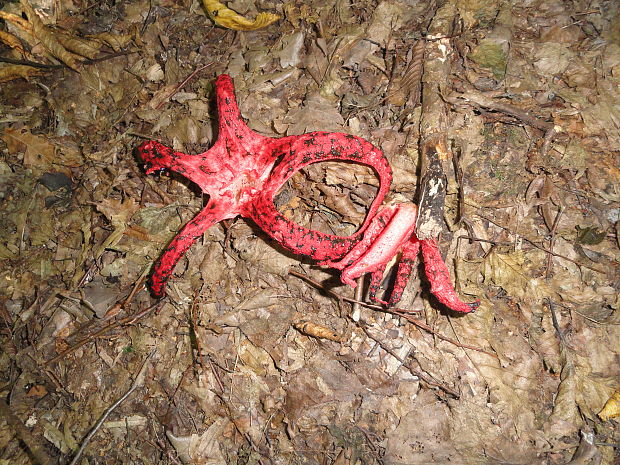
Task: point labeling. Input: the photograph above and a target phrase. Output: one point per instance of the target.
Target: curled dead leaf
(225, 17)
(16, 20)
(8, 73)
(316, 330)
(116, 41)
(83, 47)
(47, 38)
(611, 408)
(14, 42)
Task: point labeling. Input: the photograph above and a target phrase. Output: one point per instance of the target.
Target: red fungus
(243, 172)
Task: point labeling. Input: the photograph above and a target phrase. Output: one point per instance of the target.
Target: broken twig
(138, 380)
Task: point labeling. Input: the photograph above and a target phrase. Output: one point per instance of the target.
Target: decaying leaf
(117, 212)
(542, 193)
(565, 413)
(225, 17)
(590, 235)
(83, 47)
(611, 408)
(406, 86)
(492, 54)
(316, 330)
(510, 272)
(38, 151)
(8, 73)
(201, 448)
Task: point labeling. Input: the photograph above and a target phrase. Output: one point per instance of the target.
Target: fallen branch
(434, 151)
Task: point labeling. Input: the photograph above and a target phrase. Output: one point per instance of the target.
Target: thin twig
(552, 242)
(490, 103)
(423, 376)
(427, 328)
(147, 18)
(181, 85)
(554, 320)
(393, 311)
(108, 56)
(488, 241)
(338, 296)
(139, 379)
(127, 320)
(32, 64)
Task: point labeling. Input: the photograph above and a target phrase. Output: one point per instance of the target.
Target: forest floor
(246, 363)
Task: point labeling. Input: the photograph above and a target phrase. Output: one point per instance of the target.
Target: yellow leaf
(611, 408)
(17, 20)
(225, 17)
(316, 330)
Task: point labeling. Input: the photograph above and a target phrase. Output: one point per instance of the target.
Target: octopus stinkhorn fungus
(243, 171)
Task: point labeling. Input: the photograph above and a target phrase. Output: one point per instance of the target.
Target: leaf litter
(252, 364)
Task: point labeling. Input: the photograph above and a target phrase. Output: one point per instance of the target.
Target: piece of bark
(433, 124)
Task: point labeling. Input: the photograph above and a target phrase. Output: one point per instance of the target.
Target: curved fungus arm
(195, 228)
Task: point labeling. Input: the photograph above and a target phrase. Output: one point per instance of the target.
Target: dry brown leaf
(8, 73)
(138, 232)
(118, 213)
(225, 17)
(406, 86)
(510, 272)
(201, 448)
(342, 204)
(38, 151)
(565, 415)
